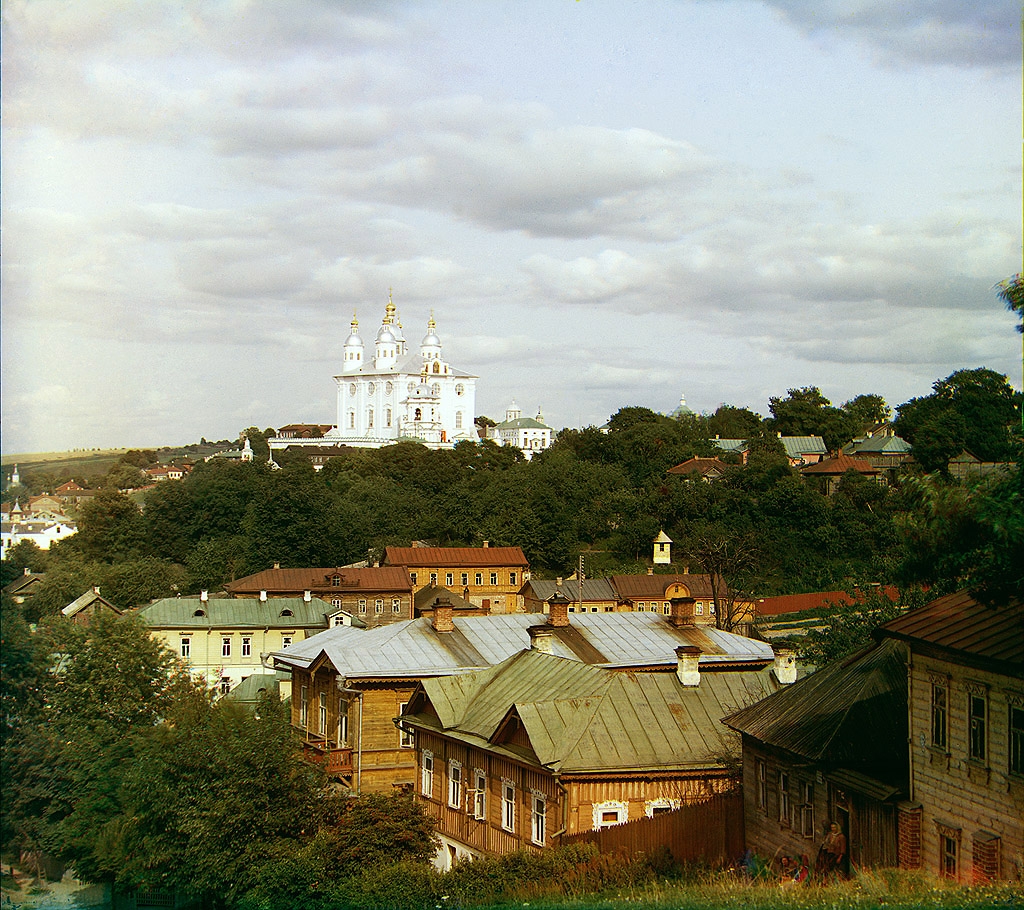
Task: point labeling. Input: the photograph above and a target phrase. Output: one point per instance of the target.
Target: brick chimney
(681, 615)
(785, 664)
(540, 638)
(443, 621)
(558, 610)
(687, 667)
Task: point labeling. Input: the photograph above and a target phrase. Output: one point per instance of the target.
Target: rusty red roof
(654, 586)
(388, 578)
(840, 465)
(963, 628)
(698, 465)
(816, 600)
(455, 556)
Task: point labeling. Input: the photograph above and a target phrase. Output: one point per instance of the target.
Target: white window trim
(479, 793)
(660, 802)
(454, 784)
(538, 817)
(508, 805)
(405, 737)
(427, 773)
(611, 805)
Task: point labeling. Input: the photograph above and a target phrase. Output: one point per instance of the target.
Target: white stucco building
(387, 393)
(532, 436)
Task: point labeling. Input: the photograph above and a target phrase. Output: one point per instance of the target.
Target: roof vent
(307, 596)
(277, 565)
(487, 543)
(199, 613)
(286, 613)
(650, 571)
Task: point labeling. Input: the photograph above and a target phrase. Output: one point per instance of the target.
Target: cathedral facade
(387, 393)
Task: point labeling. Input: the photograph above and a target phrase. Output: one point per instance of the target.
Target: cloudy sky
(604, 202)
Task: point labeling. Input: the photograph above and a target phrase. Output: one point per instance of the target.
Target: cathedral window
(460, 389)
(351, 420)
(371, 388)
(458, 420)
(437, 367)
(388, 419)
(389, 387)
(369, 418)
(419, 414)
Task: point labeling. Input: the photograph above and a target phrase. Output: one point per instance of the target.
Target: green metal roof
(235, 613)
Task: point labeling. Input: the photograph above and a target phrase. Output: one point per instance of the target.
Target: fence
(709, 831)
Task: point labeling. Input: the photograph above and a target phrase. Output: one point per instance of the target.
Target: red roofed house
(654, 593)
(833, 469)
(374, 595)
(707, 469)
(489, 577)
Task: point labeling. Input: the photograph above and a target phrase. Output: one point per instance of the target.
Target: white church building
(387, 393)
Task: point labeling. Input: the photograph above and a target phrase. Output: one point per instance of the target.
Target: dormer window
(199, 613)
(336, 581)
(286, 613)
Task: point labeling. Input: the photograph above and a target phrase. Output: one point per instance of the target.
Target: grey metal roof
(586, 719)
(803, 445)
(234, 612)
(848, 714)
(522, 423)
(595, 589)
(414, 648)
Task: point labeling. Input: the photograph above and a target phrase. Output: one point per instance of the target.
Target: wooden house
(654, 593)
(349, 684)
(808, 761)
(598, 596)
(82, 610)
(487, 576)
(965, 818)
(540, 746)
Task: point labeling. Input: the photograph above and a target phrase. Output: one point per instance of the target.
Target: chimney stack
(263, 595)
(443, 621)
(559, 581)
(204, 596)
(558, 610)
(277, 565)
(650, 570)
(682, 612)
(307, 596)
(487, 544)
(540, 638)
(785, 664)
(95, 589)
(686, 568)
(687, 665)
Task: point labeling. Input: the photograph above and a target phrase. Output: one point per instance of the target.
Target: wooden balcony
(333, 759)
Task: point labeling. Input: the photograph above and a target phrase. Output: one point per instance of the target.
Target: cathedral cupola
(353, 349)
(386, 348)
(512, 412)
(430, 347)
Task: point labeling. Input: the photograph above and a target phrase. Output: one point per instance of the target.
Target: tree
(1011, 292)
(867, 410)
(258, 443)
(728, 557)
(806, 412)
(110, 528)
(729, 422)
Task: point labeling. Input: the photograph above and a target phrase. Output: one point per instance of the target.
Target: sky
(604, 203)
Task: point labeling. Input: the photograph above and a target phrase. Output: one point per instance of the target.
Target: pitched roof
(816, 600)
(890, 445)
(702, 466)
(586, 719)
(455, 556)
(840, 465)
(23, 582)
(803, 445)
(654, 586)
(521, 423)
(825, 717)
(965, 629)
(235, 613)
(594, 589)
(387, 578)
(414, 648)
(86, 600)
(424, 599)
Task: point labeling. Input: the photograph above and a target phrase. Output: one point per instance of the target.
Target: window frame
(406, 738)
(494, 578)
(508, 805)
(321, 714)
(538, 817)
(396, 606)
(479, 579)
(304, 707)
(761, 774)
(785, 803)
(479, 794)
(1015, 738)
(455, 782)
(977, 726)
(247, 646)
(185, 648)
(449, 579)
(427, 773)
(225, 646)
(940, 715)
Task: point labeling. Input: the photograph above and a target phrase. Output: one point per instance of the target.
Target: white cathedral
(387, 394)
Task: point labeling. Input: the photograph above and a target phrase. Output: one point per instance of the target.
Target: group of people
(791, 869)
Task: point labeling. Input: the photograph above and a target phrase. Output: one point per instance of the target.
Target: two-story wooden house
(376, 596)
(487, 576)
(965, 820)
(348, 684)
(654, 593)
(540, 746)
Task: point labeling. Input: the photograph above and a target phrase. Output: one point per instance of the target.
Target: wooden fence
(709, 831)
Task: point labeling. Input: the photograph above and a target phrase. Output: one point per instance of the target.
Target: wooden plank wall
(709, 831)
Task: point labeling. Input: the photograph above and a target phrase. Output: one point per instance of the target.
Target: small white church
(387, 394)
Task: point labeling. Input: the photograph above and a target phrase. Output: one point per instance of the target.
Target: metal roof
(840, 465)
(892, 445)
(235, 613)
(803, 445)
(521, 423)
(596, 589)
(959, 625)
(654, 586)
(585, 719)
(455, 556)
(414, 648)
(841, 714)
(424, 599)
(388, 578)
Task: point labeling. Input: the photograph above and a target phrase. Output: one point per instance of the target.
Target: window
(807, 811)
(246, 647)
(404, 735)
(286, 640)
(454, 785)
(641, 607)
(427, 773)
(699, 609)
(304, 706)
(186, 647)
(511, 578)
(977, 711)
(433, 578)
(389, 387)
(343, 724)
(538, 818)
(1016, 739)
(225, 647)
(460, 389)
(479, 578)
(322, 714)
(336, 581)
(762, 785)
(418, 415)
(494, 578)
(378, 605)
(351, 420)
(666, 609)
(465, 578)
(412, 577)
(351, 388)
(225, 685)
(396, 605)
(448, 579)
(949, 853)
(458, 420)
(369, 418)
(387, 417)
(784, 805)
(362, 605)
(371, 388)
(940, 715)
(612, 812)
(479, 794)
(508, 805)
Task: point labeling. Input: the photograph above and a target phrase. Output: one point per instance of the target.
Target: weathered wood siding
(975, 799)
